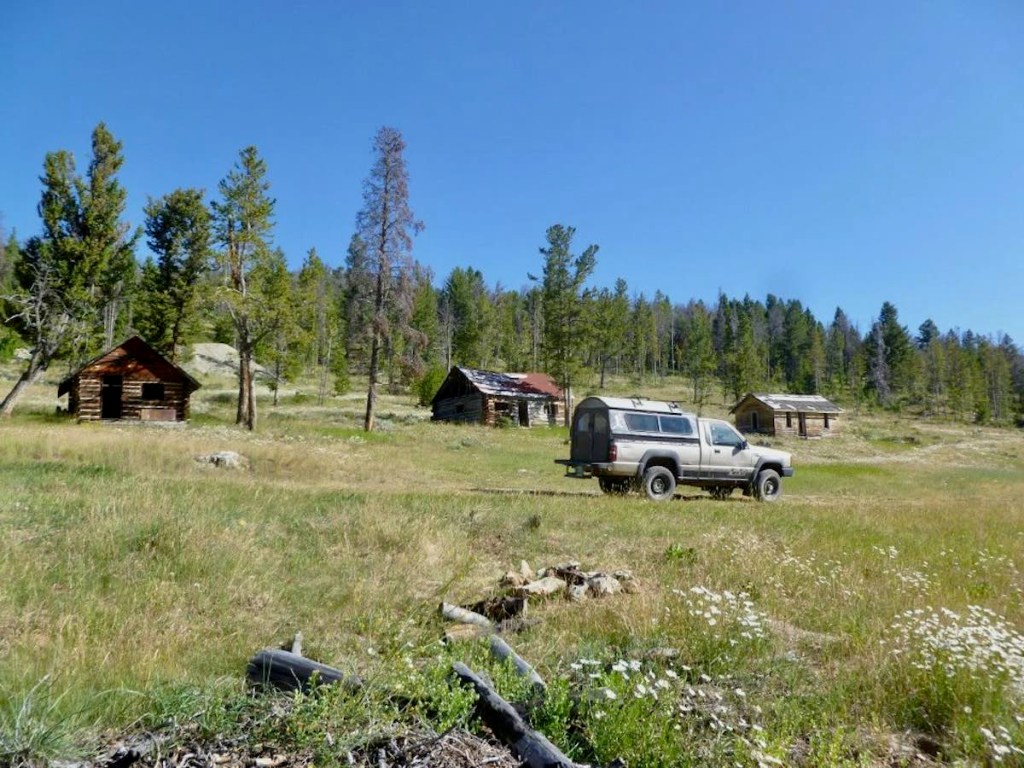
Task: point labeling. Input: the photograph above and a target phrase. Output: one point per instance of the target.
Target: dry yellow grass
(127, 566)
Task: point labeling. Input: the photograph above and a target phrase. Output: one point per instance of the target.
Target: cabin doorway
(524, 414)
(802, 425)
(110, 397)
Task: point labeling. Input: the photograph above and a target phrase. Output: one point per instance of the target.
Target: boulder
(602, 585)
(549, 585)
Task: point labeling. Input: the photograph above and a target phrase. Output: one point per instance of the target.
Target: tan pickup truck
(631, 444)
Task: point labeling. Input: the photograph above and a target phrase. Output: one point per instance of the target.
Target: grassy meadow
(873, 616)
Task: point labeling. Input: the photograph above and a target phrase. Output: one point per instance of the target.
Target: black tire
(659, 484)
(768, 486)
(618, 486)
(721, 492)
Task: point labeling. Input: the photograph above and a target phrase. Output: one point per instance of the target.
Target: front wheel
(659, 484)
(768, 485)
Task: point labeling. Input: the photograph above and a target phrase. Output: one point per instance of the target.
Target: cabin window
(642, 422)
(502, 407)
(676, 425)
(789, 420)
(153, 390)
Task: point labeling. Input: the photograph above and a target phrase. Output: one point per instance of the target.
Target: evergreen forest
(212, 273)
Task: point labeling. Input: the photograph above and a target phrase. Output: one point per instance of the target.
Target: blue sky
(843, 154)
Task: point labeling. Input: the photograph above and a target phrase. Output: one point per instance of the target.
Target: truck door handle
(718, 450)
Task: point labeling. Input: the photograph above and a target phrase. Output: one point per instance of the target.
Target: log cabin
(132, 382)
(487, 397)
(780, 414)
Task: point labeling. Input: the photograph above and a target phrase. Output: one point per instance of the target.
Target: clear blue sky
(834, 152)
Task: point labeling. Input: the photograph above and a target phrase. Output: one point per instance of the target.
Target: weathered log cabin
(487, 397)
(799, 415)
(131, 381)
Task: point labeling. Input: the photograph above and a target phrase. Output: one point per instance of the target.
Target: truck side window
(642, 422)
(676, 425)
(722, 435)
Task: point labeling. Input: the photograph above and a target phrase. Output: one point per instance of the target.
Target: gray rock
(604, 585)
(549, 585)
(224, 459)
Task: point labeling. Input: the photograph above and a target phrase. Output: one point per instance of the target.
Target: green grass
(136, 584)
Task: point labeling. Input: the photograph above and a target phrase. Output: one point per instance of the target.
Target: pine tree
(466, 301)
(386, 224)
(178, 232)
(78, 270)
(108, 243)
(242, 225)
(317, 304)
(279, 336)
(562, 305)
(699, 360)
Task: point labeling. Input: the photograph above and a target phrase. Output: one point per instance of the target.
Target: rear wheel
(659, 484)
(615, 485)
(768, 486)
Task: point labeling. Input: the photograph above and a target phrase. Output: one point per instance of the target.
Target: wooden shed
(486, 397)
(131, 381)
(801, 415)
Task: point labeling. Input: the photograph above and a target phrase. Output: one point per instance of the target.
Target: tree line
(214, 274)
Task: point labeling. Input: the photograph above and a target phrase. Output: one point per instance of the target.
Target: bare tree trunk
(371, 394)
(36, 366)
(243, 386)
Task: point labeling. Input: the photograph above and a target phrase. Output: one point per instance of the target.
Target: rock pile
(567, 580)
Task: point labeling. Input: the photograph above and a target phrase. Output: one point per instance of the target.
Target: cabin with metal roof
(131, 382)
(488, 397)
(798, 415)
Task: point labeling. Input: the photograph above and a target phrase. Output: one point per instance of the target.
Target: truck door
(725, 457)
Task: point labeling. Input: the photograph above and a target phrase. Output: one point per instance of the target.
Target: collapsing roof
(792, 403)
(531, 386)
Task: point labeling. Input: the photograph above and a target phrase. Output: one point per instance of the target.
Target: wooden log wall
(86, 399)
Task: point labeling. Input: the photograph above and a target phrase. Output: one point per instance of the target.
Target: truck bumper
(787, 471)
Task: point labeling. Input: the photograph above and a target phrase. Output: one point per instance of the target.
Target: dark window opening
(153, 390)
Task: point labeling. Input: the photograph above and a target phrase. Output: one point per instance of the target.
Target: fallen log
(290, 672)
(530, 746)
(461, 615)
(503, 651)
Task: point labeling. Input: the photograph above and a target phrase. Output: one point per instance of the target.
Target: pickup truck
(632, 444)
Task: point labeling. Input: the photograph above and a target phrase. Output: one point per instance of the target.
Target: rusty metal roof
(792, 403)
(531, 385)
